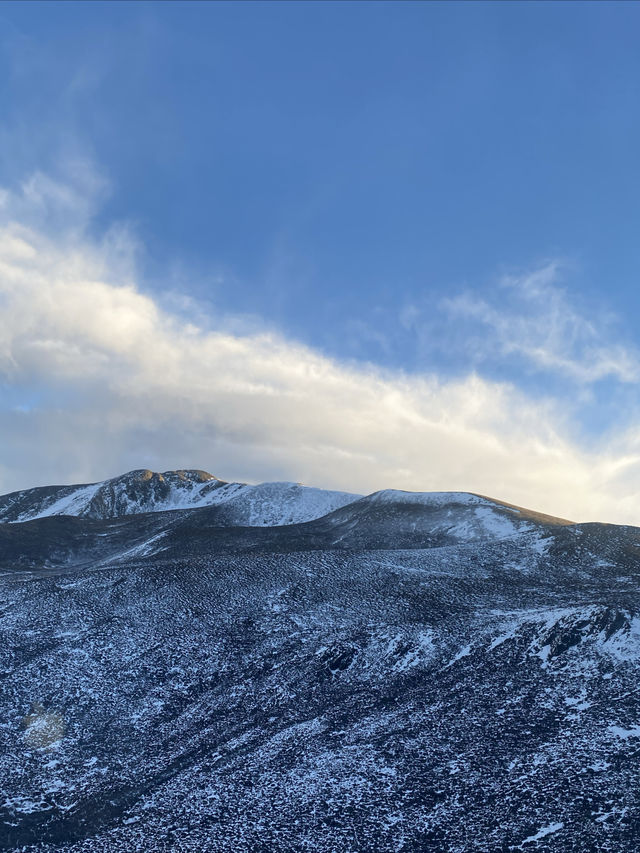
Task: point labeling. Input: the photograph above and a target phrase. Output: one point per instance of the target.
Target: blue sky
(416, 191)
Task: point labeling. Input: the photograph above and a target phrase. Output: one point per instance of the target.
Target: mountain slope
(408, 672)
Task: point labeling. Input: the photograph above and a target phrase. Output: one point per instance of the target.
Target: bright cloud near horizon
(258, 311)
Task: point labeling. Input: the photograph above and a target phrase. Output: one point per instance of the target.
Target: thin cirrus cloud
(100, 375)
(533, 318)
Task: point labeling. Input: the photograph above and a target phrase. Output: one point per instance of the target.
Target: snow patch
(625, 734)
(542, 833)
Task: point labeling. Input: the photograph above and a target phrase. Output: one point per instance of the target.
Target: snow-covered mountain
(392, 518)
(289, 670)
(144, 491)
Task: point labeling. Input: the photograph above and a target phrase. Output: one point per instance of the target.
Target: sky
(358, 245)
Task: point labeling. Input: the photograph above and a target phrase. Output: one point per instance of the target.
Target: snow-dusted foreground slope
(407, 672)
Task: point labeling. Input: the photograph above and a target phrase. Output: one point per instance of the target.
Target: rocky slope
(405, 673)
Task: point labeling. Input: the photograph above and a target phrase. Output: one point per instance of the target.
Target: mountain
(401, 672)
(145, 491)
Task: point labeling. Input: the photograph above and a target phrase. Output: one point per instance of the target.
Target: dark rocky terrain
(400, 672)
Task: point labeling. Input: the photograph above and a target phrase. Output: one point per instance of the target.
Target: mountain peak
(193, 475)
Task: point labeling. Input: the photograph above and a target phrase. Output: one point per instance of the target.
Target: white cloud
(532, 317)
(100, 377)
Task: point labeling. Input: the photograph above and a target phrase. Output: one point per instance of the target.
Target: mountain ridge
(142, 490)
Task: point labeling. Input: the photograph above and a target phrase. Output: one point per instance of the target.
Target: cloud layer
(99, 376)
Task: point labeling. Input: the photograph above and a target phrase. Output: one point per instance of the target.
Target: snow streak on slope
(71, 500)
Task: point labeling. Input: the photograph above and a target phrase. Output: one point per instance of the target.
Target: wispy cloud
(104, 376)
(531, 316)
